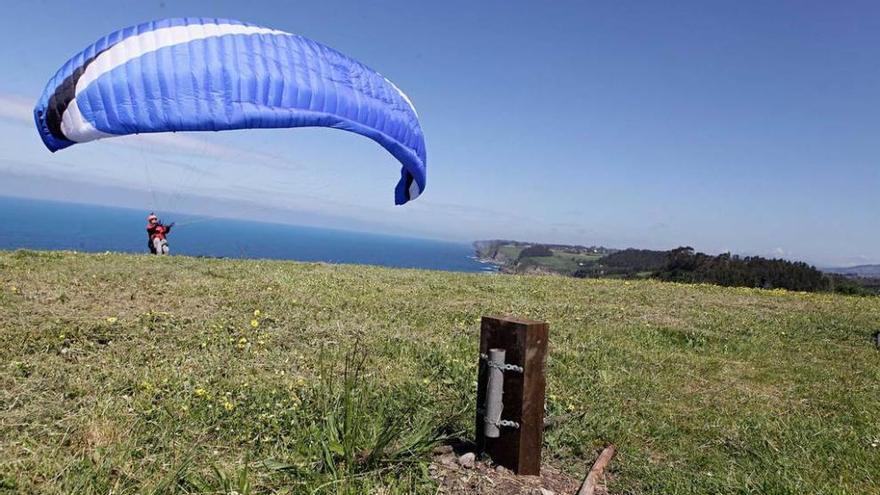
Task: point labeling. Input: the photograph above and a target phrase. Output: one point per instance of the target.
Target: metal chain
(511, 424)
(502, 423)
(505, 367)
(502, 367)
(482, 412)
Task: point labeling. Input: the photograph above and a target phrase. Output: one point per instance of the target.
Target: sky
(749, 127)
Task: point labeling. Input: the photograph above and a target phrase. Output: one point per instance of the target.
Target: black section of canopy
(63, 95)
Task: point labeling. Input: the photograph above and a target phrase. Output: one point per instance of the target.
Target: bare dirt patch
(454, 473)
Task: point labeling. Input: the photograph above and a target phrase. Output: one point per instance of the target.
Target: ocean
(48, 225)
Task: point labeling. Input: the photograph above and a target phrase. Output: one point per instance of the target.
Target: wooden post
(525, 346)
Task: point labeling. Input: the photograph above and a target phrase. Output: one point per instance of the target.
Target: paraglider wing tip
(51, 142)
(407, 189)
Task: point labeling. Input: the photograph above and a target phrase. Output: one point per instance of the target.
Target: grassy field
(510, 251)
(562, 262)
(136, 374)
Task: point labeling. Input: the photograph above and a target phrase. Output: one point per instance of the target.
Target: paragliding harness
(156, 233)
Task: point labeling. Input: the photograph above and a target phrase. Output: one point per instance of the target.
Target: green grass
(510, 251)
(137, 374)
(562, 262)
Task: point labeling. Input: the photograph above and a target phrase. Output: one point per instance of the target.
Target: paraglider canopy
(200, 74)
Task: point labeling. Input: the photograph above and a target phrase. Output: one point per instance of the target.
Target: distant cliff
(683, 264)
(533, 257)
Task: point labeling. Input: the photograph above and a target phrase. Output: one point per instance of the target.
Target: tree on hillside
(536, 251)
(637, 260)
(685, 265)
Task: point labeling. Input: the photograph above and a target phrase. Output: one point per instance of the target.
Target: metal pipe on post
(494, 393)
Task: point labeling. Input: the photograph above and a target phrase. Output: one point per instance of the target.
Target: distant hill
(683, 264)
(534, 257)
(865, 271)
(638, 263)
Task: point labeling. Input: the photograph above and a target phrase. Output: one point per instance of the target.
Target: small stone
(467, 460)
(442, 449)
(501, 469)
(545, 491)
(448, 460)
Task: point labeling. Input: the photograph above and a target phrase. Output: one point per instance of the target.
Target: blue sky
(744, 126)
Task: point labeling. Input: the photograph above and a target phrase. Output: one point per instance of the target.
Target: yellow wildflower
(112, 319)
(257, 313)
(228, 405)
(201, 392)
(255, 323)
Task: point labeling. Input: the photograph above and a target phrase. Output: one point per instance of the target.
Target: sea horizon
(41, 224)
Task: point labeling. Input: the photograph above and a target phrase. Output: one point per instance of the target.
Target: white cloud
(16, 109)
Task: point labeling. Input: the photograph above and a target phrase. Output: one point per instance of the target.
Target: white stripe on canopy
(76, 128)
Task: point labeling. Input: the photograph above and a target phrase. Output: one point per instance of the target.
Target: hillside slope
(137, 374)
(857, 271)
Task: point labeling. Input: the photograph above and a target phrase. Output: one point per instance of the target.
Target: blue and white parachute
(199, 74)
